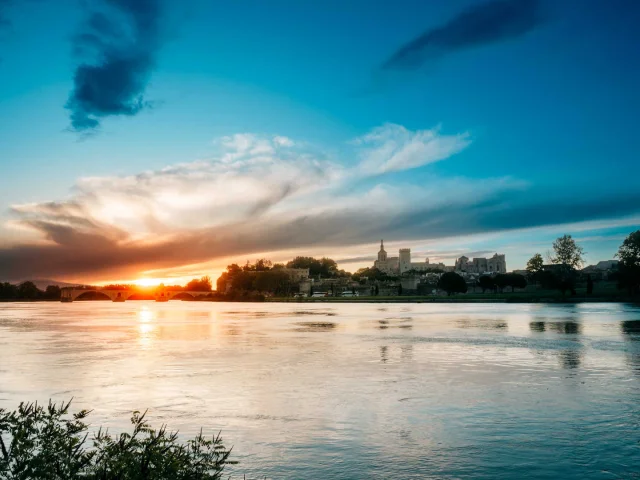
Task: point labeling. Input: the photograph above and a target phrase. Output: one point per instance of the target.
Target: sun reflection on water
(146, 326)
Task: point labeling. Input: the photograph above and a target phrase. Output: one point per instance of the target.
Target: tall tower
(404, 263)
(382, 254)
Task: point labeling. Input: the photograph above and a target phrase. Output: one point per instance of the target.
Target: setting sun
(148, 282)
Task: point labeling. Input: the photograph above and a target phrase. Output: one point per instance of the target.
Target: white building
(402, 263)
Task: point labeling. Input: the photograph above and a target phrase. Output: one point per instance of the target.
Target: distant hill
(44, 283)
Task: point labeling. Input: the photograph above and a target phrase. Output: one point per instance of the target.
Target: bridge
(71, 294)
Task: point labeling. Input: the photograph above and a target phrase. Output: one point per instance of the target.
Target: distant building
(495, 264)
(602, 270)
(607, 265)
(402, 263)
(296, 274)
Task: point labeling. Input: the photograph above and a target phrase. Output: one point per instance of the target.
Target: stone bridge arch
(72, 294)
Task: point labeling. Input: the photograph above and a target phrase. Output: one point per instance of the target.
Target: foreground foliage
(49, 443)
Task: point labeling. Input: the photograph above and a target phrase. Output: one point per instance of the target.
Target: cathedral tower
(382, 254)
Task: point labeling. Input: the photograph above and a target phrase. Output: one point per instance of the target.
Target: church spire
(382, 255)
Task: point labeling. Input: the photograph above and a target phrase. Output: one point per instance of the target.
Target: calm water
(351, 391)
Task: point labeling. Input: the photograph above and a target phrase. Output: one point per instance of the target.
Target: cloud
(392, 148)
(121, 42)
(4, 5)
(256, 197)
(481, 24)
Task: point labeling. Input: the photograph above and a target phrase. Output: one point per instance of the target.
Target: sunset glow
(273, 163)
(149, 282)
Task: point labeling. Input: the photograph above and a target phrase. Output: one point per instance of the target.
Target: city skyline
(157, 142)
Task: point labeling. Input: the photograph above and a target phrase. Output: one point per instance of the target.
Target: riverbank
(516, 298)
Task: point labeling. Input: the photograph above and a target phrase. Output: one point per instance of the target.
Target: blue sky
(507, 124)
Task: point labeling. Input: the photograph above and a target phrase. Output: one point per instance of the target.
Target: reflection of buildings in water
(538, 327)
(565, 328)
(570, 359)
(631, 333)
(384, 354)
(631, 329)
(406, 353)
(482, 324)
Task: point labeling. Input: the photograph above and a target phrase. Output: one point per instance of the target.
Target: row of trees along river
(560, 272)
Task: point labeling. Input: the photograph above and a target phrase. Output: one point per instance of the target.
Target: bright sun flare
(148, 282)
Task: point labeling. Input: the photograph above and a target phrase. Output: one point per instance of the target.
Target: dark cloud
(4, 21)
(121, 42)
(346, 261)
(79, 251)
(481, 24)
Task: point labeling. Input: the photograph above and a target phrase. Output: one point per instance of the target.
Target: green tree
(501, 281)
(202, 285)
(485, 282)
(8, 291)
(629, 268)
(452, 283)
(535, 264)
(262, 265)
(53, 292)
(28, 291)
(243, 281)
(567, 252)
(515, 280)
(323, 268)
(50, 443)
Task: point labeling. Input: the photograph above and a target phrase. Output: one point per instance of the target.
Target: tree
(452, 283)
(501, 281)
(589, 285)
(515, 280)
(535, 264)
(485, 282)
(53, 292)
(567, 252)
(262, 265)
(50, 443)
(233, 269)
(8, 291)
(28, 291)
(323, 268)
(399, 289)
(629, 268)
(202, 285)
(372, 274)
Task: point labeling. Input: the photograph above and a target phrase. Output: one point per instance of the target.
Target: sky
(160, 139)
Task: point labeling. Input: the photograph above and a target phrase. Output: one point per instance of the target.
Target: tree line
(560, 273)
(272, 278)
(28, 291)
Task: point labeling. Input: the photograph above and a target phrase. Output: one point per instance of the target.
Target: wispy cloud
(118, 45)
(392, 148)
(260, 195)
(481, 24)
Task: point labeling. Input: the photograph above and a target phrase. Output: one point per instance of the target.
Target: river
(350, 391)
